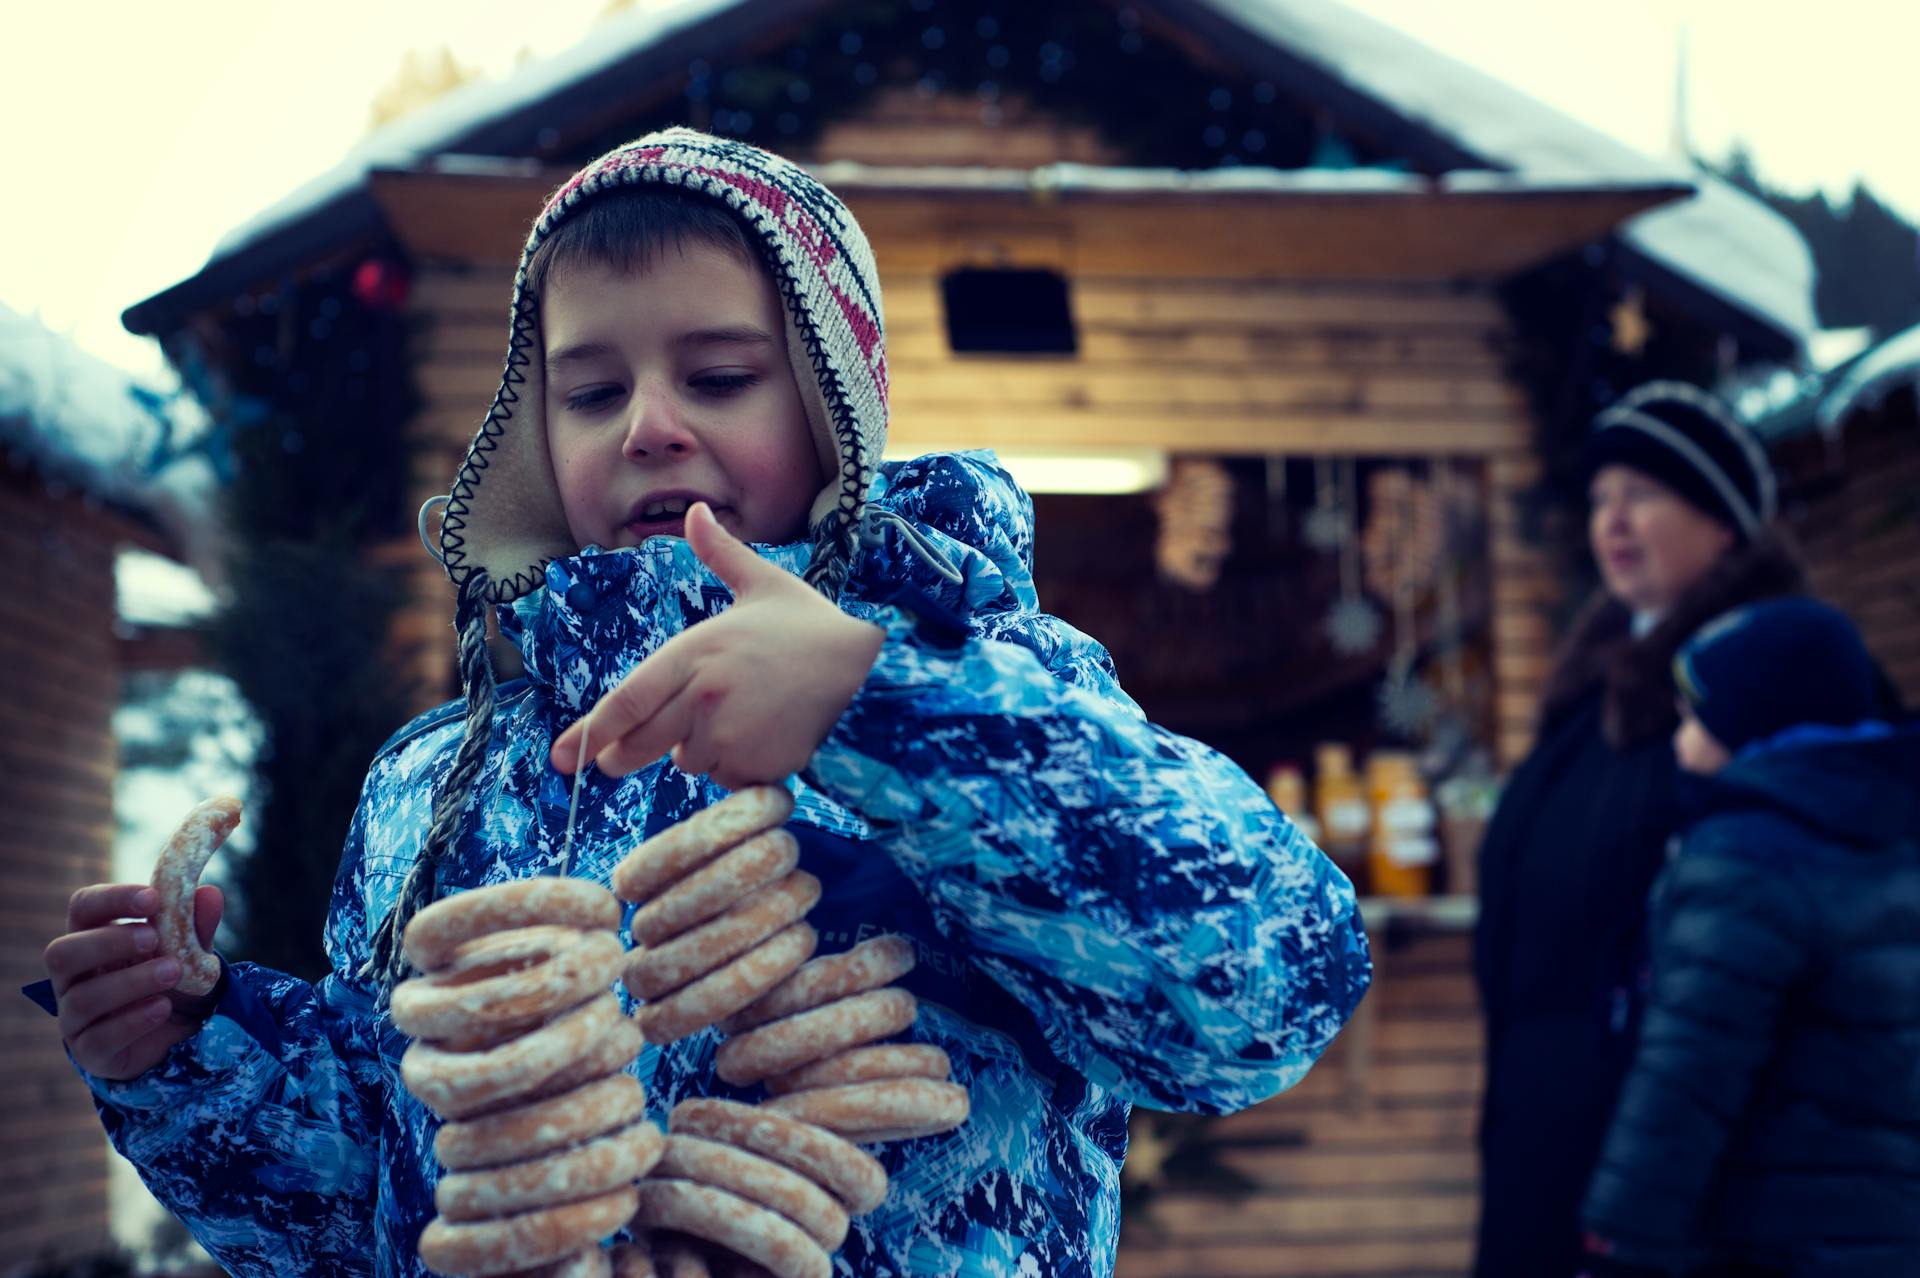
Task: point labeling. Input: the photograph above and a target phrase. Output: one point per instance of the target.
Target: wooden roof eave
(476, 212)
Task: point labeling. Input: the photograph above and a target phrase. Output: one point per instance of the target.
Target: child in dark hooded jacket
(677, 510)
(1771, 1122)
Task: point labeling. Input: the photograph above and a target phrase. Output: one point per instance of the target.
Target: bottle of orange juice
(1288, 790)
(1403, 849)
(1340, 802)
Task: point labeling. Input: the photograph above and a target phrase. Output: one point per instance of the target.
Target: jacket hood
(1859, 785)
(504, 520)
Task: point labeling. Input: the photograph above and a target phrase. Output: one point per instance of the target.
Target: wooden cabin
(1341, 306)
(68, 504)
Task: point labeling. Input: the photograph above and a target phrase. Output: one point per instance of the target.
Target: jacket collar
(599, 613)
(1860, 786)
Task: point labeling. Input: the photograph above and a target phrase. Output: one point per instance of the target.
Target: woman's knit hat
(1758, 671)
(504, 521)
(1688, 440)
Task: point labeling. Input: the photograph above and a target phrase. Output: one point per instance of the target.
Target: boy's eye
(585, 401)
(722, 384)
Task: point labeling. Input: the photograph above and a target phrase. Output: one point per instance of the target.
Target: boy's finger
(101, 903)
(731, 559)
(646, 742)
(208, 905)
(100, 1048)
(102, 997)
(633, 701)
(695, 755)
(78, 955)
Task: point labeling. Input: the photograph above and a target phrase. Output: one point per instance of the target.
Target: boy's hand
(119, 1014)
(746, 696)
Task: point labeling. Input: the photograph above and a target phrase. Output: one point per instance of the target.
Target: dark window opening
(1023, 312)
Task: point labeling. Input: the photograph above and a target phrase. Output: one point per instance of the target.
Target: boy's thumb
(731, 559)
(209, 903)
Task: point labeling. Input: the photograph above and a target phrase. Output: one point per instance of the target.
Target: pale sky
(137, 134)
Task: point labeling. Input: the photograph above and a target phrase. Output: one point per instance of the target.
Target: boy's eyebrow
(730, 335)
(578, 352)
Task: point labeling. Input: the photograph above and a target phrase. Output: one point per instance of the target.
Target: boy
(1771, 1123)
(1105, 913)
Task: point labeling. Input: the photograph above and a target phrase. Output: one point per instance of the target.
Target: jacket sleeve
(1178, 939)
(1730, 938)
(258, 1132)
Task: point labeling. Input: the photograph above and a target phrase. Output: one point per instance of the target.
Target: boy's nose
(655, 429)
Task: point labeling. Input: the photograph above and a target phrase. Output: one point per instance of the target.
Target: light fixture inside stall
(1110, 471)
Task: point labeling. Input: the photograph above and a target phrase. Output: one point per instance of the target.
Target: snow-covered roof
(447, 122)
(82, 421)
(1885, 368)
(1097, 180)
(1722, 242)
(75, 416)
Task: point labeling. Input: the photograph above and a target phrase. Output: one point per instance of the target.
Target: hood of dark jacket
(1858, 786)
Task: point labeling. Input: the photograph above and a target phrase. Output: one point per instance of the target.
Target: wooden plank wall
(1357, 1171)
(1862, 543)
(1526, 597)
(1224, 366)
(61, 684)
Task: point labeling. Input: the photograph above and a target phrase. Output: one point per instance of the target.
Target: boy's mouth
(664, 515)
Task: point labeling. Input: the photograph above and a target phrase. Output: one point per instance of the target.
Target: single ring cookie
(588, 1262)
(661, 969)
(462, 1084)
(634, 1259)
(761, 860)
(678, 1256)
(865, 1065)
(176, 875)
(508, 978)
(793, 1041)
(747, 1228)
(758, 1180)
(440, 928)
(567, 1175)
(867, 966)
(728, 988)
(852, 1175)
(527, 1131)
(668, 855)
(611, 1053)
(484, 1248)
(888, 1109)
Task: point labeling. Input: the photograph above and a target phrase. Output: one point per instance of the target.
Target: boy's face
(670, 385)
(1696, 748)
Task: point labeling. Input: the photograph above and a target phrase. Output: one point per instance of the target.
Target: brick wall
(1861, 537)
(58, 687)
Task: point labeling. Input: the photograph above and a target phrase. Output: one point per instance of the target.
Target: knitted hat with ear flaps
(504, 521)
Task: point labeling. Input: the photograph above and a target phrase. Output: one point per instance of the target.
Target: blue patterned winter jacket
(1107, 914)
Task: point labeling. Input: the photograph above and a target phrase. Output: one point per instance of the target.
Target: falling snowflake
(1353, 626)
(1408, 706)
(1326, 528)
